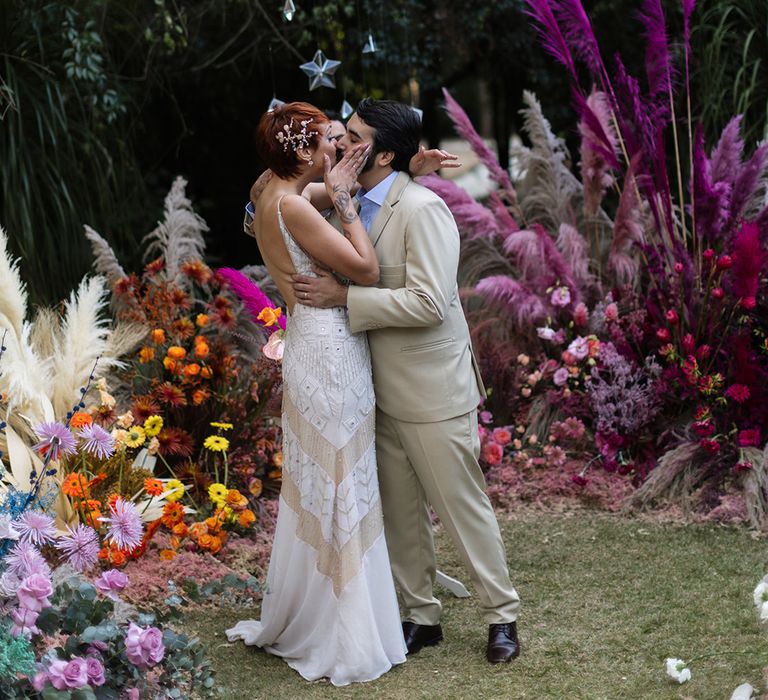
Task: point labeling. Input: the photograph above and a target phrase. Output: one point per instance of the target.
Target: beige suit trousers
(436, 463)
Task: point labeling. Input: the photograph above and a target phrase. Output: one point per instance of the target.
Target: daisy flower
(124, 526)
(222, 426)
(80, 547)
(216, 443)
(175, 490)
(153, 425)
(55, 439)
(97, 441)
(136, 436)
(217, 493)
(36, 527)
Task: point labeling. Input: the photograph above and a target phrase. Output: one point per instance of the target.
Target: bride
(329, 606)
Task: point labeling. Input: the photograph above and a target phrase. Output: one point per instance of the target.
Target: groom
(426, 380)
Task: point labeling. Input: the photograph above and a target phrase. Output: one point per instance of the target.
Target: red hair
(285, 162)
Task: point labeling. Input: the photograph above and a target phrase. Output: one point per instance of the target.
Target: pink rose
(34, 591)
(95, 671)
(144, 647)
(68, 675)
(24, 622)
(612, 312)
(492, 452)
(502, 436)
(39, 680)
(560, 377)
(111, 582)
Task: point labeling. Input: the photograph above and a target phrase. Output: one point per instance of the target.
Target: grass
(605, 601)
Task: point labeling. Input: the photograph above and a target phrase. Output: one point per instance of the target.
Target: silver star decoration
(346, 110)
(274, 104)
(289, 10)
(320, 69)
(370, 46)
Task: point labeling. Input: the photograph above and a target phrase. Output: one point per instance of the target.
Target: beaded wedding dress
(329, 606)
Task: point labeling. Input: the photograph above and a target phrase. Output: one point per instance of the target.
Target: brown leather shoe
(502, 643)
(418, 636)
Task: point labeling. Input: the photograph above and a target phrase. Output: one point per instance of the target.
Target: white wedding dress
(329, 606)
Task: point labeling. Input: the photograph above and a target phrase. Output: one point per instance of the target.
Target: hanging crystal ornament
(419, 112)
(346, 110)
(320, 69)
(370, 45)
(289, 10)
(274, 104)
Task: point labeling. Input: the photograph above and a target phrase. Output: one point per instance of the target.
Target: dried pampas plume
(105, 261)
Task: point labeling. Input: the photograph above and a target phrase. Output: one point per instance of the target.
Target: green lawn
(605, 601)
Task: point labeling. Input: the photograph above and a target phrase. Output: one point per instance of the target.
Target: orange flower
(112, 500)
(158, 336)
(104, 554)
(173, 513)
(80, 419)
(180, 529)
(97, 479)
(236, 500)
(167, 554)
(192, 370)
(216, 543)
(92, 512)
(171, 365)
(246, 518)
(255, 487)
(205, 541)
(206, 372)
(118, 558)
(146, 354)
(201, 320)
(202, 350)
(197, 530)
(277, 459)
(75, 486)
(177, 352)
(175, 542)
(199, 396)
(213, 523)
(153, 487)
(275, 474)
(268, 316)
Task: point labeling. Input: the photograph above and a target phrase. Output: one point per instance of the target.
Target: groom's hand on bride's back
(323, 291)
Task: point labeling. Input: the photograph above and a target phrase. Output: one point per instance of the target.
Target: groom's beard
(369, 162)
(339, 154)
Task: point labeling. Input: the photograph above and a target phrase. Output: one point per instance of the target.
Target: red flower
(502, 436)
(710, 445)
(169, 394)
(742, 467)
(749, 437)
(689, 344)
(738, 392)
(718, 293)
(672, 316)
(144, 407)
(154, 267)
(703, 352)
(703, 428)
(175, 442)
(663, 335)
(492, 452)
(579, 480)
(708, 254)
(678, 267)
(747, 303)
(724, 262)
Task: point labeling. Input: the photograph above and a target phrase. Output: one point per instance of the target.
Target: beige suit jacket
(423, 366)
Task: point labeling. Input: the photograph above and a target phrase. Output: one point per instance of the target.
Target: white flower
(764, 612)
(760, 594)
(743, 692)
(7, 531)
(546, 333)
(677, 670)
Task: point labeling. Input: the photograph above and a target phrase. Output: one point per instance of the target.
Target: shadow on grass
(605, 601)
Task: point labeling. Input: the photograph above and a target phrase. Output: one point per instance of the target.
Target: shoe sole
(506, 660)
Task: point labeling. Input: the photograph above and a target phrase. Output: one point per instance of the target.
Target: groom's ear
(385, 158)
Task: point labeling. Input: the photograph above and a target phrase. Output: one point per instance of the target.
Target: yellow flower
(153, 425)
(218, 494)
(201, 320)
(222, 426)
(176, 489)
(136, 436)
(216, 443)
(268, 316)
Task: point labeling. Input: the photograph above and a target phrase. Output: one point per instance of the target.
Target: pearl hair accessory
(293, 138)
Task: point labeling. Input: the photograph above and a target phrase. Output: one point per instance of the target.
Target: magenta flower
(579, 480)
(560, 297)
(124, 525)
(24, 559)
(738, 392)
(703, 428)
(612, 312)
(33, 592)
(97, 441)
(55, 439)
(80, 547)
(581, 314)
(710, 445)
(560, 377)
(111, 582)
(36, 527)
(68, 675)
(749, 437)
(144, 647)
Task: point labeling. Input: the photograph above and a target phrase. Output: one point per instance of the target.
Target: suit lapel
(388, 207)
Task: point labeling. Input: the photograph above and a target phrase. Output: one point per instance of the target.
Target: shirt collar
(378, 193)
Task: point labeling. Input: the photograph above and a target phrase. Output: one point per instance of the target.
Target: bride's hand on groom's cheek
(344, 174)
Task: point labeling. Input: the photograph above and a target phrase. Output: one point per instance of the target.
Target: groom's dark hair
(398, 129)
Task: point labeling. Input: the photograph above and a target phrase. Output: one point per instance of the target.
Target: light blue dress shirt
(371, 200)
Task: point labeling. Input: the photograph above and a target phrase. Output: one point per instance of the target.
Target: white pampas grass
(13, 295)
(179, 237)
(105, 262)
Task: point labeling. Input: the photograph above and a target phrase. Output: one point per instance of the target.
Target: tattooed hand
(344, 174)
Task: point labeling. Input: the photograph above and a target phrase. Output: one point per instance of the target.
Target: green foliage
(16, 656)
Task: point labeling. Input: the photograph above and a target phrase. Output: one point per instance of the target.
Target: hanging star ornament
(274, 104)
(289, 10)
(320, 69)
(346, 110)
(370, 45)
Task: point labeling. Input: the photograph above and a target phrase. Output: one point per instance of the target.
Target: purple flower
(560, 377)
(125, 528)
(80, 547)
(111, 582)
(95, 670)
(68, 675)
(39, 680)
(97, 441)
(55, 439)
(545, 333)
(579, 348)
(33, 592)
(486, 417)
(144, 647)
(560, 297)
(36, 527)
(24, 622)
(24, 559)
